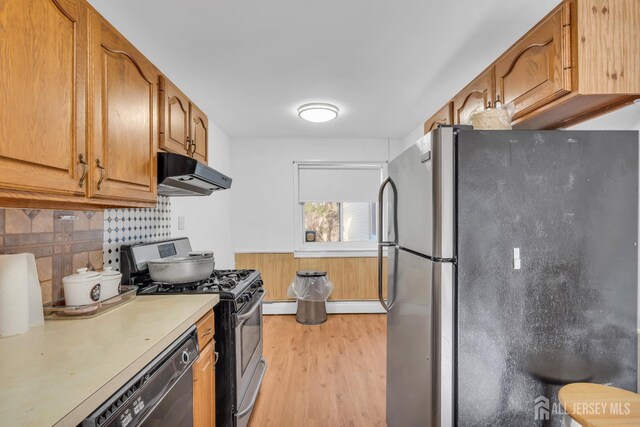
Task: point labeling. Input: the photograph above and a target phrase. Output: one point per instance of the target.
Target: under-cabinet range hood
(180, 175)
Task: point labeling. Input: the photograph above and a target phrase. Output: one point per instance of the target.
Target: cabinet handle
(191, 147)
(84, 164)
(102, 173)
(215, 362)
(207, 332)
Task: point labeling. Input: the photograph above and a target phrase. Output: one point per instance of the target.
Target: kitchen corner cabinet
(204, 399)
(444, 116)
(183, 126)
(123, 117)
(476, 96)
(43, 52)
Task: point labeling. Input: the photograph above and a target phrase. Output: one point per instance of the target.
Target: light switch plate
(180, 223)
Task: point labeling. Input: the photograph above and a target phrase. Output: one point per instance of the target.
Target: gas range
(240, 368)
(235, 285)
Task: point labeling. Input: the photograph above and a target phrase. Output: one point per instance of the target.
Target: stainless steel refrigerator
(512, 270)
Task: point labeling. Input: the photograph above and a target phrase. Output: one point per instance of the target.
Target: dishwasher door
(175, 408)
(159, 395)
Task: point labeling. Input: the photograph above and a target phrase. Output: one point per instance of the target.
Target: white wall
(627, 118)
(412, 137)
(208, 219)
(262, 196)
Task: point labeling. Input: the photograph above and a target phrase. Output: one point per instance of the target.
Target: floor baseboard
(333, 307)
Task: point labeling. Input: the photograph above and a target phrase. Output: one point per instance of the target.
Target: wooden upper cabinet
(199, 134)
(578, 62)
(204, 406)
(537, 69)
(444, 116)
(476, 96)
(124, 126)
(42, 89)
(174, 118)
(184, 128)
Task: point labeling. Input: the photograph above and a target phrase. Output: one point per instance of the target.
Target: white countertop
(58, 373)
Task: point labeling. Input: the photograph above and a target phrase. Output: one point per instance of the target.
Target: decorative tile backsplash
(63, 241)
(130, 226)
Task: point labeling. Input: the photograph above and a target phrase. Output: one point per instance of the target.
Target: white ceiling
(387, 64)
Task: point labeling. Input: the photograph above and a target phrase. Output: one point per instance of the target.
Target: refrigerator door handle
(382, 243)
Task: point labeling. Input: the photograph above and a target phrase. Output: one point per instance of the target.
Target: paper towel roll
(14, 294)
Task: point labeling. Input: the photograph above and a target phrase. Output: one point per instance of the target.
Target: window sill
(335, 253)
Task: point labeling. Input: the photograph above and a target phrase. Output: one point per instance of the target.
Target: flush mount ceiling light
(318, 112)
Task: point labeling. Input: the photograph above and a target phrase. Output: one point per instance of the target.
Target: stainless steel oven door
(248, 343)
(242, 416)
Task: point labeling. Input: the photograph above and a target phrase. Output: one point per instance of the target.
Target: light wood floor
(331, 375)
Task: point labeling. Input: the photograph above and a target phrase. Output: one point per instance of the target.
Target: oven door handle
(244, 316)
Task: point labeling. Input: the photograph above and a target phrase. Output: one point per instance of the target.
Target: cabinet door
(477, 96)
(124, 126)
(199, 134)
(442, 117)
(174, 118)
(537, 69)
(204, 407)
(43, 53)
(206, 329)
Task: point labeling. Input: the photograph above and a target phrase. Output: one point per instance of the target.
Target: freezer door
(409, 345)
(424, 177)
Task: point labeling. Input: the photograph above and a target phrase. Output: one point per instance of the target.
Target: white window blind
(338, 183)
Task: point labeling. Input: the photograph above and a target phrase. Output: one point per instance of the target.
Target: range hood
(179, 175)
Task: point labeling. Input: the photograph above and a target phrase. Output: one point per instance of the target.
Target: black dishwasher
(159, 395)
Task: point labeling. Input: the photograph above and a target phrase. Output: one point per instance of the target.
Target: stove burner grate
(220, 281)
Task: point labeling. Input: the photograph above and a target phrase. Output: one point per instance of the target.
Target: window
(336, 206)
(339, 222)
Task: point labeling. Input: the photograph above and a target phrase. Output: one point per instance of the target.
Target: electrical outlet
(180, 223)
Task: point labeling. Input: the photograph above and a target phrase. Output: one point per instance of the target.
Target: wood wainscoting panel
(354, 278)
(277, 269)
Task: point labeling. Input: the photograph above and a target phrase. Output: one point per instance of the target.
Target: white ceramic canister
(110, 286)
(82, 288)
